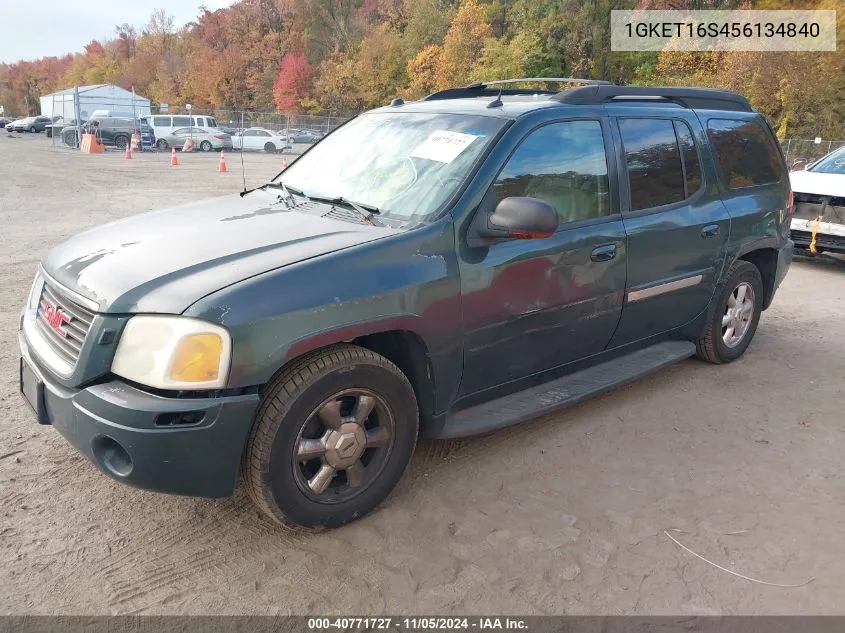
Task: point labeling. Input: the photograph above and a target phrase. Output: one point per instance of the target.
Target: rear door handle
(603, 253)
(711, 230)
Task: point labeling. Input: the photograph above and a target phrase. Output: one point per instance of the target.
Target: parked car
(4, 121)
(304, 136)
(262, 139)
(58, 127)
(29, 124)
(206, 139)
(166, 124)
(113, 131)
(819, 190)
(446, 267)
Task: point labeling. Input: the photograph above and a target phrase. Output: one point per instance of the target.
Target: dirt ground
(565, 515)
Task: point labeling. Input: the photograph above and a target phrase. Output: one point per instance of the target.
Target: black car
(443, 268)
(114, 131)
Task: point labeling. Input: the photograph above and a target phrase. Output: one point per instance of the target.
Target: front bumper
(830, 236)
(121, 429)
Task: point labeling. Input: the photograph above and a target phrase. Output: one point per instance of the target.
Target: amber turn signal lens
(197, 358)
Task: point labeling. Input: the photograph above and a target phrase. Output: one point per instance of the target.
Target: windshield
(404, 164)
(832, 163)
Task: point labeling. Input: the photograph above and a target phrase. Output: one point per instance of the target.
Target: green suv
(445, 267)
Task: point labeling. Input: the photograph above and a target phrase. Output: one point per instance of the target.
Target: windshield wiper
(288, 191)
(366, 211)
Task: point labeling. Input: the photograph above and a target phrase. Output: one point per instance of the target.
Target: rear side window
(745, 153)
(692, 167)
(161, 121)
(181, 121)
(563, 164)
(655, 174)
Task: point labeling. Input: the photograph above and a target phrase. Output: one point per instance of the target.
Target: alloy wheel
(739, 312)
(343, 446)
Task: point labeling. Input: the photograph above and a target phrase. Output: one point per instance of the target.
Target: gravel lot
(563, 515)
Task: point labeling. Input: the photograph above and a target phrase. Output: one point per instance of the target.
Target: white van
(164, 124)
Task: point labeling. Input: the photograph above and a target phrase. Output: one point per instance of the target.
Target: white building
(108, 97)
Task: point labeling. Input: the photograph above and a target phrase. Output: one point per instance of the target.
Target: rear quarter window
(746, 154)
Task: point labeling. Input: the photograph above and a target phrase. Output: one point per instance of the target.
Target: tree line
(338, 57)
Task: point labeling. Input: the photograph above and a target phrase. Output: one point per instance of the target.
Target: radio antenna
(243, 170)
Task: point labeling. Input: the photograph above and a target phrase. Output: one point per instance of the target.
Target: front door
(676, 223)
(532, 305)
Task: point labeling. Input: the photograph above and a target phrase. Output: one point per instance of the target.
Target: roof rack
(704, 98)
(486, 88)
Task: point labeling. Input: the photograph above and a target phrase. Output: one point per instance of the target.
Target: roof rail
(704, 98)
(486, 88)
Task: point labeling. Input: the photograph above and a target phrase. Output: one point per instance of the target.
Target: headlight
(170, 352)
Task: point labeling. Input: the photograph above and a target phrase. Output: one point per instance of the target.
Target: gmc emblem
(55, 317)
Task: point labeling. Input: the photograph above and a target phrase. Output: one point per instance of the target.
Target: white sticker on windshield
(443, 146)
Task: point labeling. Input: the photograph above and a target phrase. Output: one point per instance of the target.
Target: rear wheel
(162, 144)
(269, 148)
(331, 438)
(738, 302)
(121, 141)
(32, 129)
(205, 146)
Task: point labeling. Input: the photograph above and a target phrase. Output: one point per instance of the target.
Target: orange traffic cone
(128, 153)
(173, 160)
(221, 166)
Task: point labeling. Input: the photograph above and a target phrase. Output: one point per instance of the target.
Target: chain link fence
(301, 130)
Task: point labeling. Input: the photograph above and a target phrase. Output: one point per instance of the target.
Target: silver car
(205, 139)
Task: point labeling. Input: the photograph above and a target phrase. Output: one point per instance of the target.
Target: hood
(166, 260)
(818, 183)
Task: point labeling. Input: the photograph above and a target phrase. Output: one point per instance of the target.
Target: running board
(550, 396)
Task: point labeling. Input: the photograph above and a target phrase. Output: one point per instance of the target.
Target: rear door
(676, 223)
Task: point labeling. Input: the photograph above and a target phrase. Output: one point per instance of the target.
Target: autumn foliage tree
(293, 83)
(341, 56)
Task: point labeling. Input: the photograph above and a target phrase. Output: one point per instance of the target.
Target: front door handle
(711, 230)
(603, 253)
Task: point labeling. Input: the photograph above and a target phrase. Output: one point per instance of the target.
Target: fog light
(111, 456)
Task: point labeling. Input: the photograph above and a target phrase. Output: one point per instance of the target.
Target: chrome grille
(76, 328)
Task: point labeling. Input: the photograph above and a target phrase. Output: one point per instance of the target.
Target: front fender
(407, 282)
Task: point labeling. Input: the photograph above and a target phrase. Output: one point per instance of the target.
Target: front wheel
(738, 302)
(331, 438)
(33, 130)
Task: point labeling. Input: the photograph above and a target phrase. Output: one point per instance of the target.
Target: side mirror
(519, 218)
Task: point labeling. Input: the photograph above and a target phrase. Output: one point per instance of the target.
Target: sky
(29, 30)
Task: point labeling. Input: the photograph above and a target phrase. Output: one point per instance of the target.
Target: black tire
(121, 141)
(712, 346)
(272, 472)
(269, 148)
(162, 144)
(206, 146)
(32, 130)
(71, 140)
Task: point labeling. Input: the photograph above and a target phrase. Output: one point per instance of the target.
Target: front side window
(563, 164)
(407, 164)
(181, 121)
(745, 153)
(161, 121)
(655, 175)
